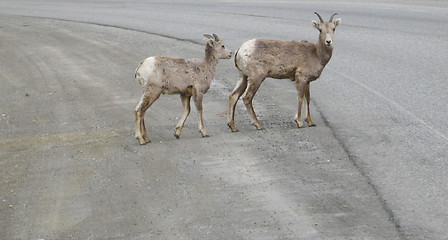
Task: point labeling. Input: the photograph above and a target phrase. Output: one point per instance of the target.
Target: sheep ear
(337, 22)
(208, 42)
(316, 25)
(208, 36)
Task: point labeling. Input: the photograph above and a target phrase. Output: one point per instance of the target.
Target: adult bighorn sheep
(188, 78)
(301, 62)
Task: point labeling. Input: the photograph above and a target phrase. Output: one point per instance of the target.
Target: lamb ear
(316, 25)
(208, 42)
(337, 22)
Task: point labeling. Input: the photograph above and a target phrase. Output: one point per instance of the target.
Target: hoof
(143, 143)
(205, 136)
(177, 135)
(143, 140)
(232, 127)
(258, 126)
(310, 123)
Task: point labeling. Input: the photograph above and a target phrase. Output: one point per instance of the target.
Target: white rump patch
(244, 54)
(145, 70)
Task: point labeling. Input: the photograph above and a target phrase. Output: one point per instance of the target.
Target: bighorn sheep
(188, 78)
(301, 62)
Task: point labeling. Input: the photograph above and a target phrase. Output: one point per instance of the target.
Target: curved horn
(216, 37)
(332, 16)
(320, 18)
(208, 36)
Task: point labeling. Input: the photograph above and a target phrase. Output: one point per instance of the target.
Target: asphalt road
(374, 167)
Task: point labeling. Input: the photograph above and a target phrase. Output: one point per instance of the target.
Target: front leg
(198, 103)
(308, 100)
(180, 125)
(301, 88)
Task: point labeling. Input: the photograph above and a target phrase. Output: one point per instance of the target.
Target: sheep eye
(334, 29)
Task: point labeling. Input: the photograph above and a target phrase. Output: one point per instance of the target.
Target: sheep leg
(233, 99)
(249, 94)
(308, 100)
(139, 121)
(143, 128)
(301, 86)
(147, 99)
(186, 103)
(198, 103)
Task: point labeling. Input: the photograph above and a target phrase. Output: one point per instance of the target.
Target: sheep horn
(216, 37)
(208, 36)
(332, 16)
(320, 18)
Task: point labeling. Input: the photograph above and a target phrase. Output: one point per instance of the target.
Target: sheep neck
(324, 52)
(210, 58)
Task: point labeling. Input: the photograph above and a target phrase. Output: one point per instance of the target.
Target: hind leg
(233, 99)
(249, 94)
(147, 99)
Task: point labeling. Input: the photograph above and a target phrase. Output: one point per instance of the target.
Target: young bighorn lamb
(301, 62)
(188, 78)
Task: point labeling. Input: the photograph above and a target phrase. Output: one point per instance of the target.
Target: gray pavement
(375, 167)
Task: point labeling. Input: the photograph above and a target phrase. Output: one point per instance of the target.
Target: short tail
(236, 54)
(136, 70)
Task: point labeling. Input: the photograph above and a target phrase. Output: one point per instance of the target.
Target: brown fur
(301, 62)
(165, 75)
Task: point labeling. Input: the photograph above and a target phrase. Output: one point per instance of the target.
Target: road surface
(374, 167)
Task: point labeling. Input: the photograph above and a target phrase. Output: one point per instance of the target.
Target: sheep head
(326, 29)
(218, 46)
